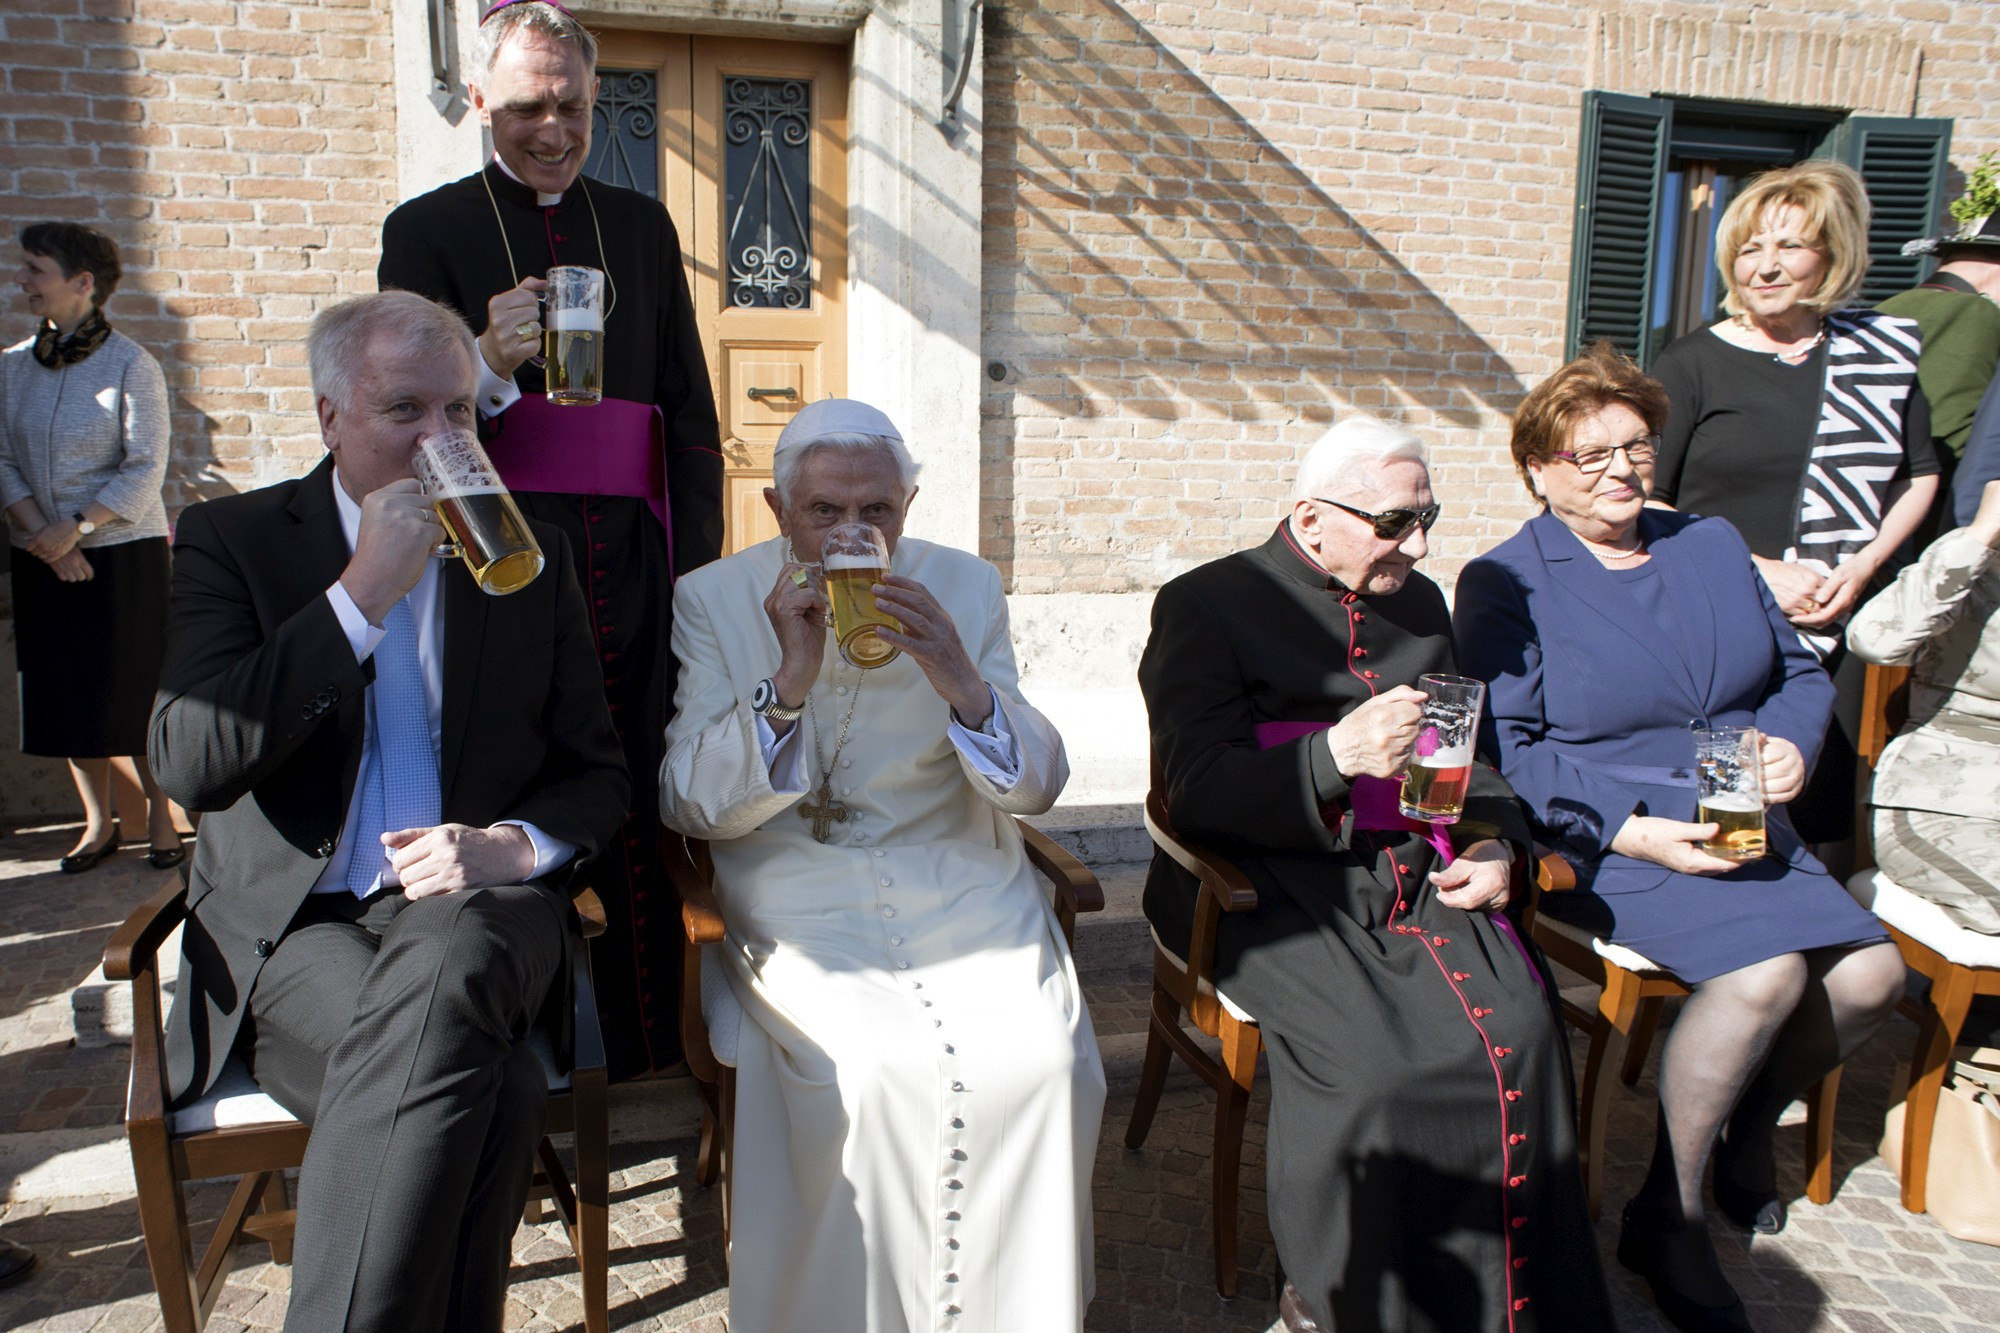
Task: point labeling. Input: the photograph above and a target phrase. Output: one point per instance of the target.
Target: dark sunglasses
(1391, 525)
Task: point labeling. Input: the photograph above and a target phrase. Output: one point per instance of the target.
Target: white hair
(1334, 464)
(531, 17)
(790, 456)
(342, 334)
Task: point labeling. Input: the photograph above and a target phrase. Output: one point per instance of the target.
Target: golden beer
(1434, 786)
(849, 588)
(573, 350)
(493, 538)
(1739, 822)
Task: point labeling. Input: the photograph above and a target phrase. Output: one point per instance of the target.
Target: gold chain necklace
(822, 809)
(610, 287)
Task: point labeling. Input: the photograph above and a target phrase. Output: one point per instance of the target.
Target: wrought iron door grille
(767, 191)
(623, 126)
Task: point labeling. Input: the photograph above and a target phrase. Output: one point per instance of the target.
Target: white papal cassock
(918, 1088)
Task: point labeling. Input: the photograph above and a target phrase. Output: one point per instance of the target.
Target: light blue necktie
(401, 789)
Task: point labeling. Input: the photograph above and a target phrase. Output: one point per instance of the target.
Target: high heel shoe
(78, 862)
(1648, 1243)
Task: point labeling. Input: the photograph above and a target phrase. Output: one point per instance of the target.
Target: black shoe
(166, 858)
(1292, 1313)
(78, 862)
(1648, 1243)
(16, 1262)
(1756, 1210)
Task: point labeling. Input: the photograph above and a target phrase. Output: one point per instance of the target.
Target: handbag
(1963, 1189)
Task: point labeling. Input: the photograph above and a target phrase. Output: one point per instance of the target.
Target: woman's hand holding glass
(1673, 843)
(1784, 768)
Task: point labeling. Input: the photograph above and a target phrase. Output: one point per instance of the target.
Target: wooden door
(746, 143)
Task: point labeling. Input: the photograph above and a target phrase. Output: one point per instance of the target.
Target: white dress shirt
(427, 608)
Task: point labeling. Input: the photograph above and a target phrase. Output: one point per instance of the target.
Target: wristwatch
(764, 703)
(84, 527)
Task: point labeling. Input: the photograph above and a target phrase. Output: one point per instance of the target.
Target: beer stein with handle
(480, 517)
(853, 559)
(1440, 768)
(1729, 791)
(573, 336)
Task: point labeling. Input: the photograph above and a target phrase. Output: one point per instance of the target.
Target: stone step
(1115, 942)
(1099, 835)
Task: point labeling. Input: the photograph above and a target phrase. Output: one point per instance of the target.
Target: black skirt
(89, 653)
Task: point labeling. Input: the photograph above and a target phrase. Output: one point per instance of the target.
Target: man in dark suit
(399, 774)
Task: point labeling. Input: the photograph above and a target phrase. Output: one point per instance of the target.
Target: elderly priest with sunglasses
(1422, 1158)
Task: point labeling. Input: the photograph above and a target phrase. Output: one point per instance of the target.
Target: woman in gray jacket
(83, 450)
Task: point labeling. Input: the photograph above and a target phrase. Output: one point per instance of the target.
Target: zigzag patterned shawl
(1857, 453)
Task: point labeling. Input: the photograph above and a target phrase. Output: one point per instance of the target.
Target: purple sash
(617, 447)
(1377, 804)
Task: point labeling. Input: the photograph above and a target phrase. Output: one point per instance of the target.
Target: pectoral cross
(826, 813)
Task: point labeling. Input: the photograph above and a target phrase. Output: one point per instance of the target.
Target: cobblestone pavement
(1860, 1264)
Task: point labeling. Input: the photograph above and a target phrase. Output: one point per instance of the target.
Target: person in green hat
(1956, 311)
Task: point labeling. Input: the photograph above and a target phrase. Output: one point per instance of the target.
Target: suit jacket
(259, 724)
(1589, 699)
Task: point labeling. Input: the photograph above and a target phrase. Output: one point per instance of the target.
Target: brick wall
(1212, 227)
(242, 154)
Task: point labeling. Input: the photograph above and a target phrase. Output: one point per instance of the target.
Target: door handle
(759, 395)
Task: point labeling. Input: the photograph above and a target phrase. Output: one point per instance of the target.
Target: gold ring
(526, 329)
(799, 578)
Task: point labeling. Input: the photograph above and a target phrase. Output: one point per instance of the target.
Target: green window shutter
(1619, 174)
(1904, 163)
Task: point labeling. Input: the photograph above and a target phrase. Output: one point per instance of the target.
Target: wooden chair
(1959, 963)
(1631, 990)
(711, 1051)
(238, 1131)
(1187, 985)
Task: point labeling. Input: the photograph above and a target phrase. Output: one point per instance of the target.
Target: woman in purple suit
(1604, 630)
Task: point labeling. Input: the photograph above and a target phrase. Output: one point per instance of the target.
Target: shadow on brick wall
(1154, 261)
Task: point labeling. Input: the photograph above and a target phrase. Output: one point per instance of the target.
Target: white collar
(350, 512)
(541, 200)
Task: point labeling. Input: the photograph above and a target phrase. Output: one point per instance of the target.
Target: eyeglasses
(1391, 525)
(1588, 461)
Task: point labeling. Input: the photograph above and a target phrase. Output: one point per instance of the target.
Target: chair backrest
(1885, 706)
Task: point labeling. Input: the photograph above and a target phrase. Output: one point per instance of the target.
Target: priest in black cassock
(635, 482)
(1422, 1151)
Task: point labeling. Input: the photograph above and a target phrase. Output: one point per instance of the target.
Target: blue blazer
(1589, 699)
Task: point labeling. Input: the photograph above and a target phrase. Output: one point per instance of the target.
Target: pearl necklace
(1791, 356)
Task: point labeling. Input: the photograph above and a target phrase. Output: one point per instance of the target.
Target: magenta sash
(617, 447)
(1377, 804)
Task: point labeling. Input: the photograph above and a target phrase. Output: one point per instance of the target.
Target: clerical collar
(1296, 561)
(541, 200)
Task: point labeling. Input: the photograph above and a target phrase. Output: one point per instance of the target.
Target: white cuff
(993, 756)
(362, 637)
(495, 394)
(549, 852)
(784, 757)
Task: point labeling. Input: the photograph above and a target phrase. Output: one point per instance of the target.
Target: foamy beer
(1441, 765)
(854, 559)
(573, 336)
(481, 518)
(1729, 791)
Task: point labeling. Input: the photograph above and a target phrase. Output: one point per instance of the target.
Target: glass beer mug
(480, 518)
(1729, 791)
(853, 559)
(1440, 768)
(573, 335)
